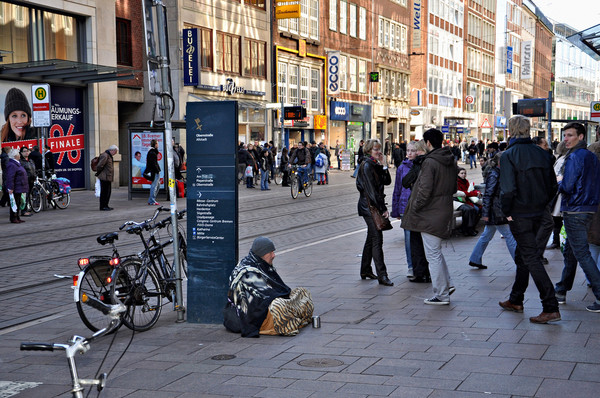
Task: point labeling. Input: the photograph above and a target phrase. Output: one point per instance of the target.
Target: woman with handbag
(373, 176)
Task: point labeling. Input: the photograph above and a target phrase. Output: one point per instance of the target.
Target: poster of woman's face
(16, 108)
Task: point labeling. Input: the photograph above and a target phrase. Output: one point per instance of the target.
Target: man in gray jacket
(429, 211)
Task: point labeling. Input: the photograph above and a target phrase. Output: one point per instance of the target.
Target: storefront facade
(349, 123)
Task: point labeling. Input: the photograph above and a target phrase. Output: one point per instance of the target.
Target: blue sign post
(212, 219)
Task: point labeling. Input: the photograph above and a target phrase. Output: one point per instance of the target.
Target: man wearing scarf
(259, 302)
(580, 198)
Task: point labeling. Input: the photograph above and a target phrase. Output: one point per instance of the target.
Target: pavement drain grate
(320, 363)
(223, 357)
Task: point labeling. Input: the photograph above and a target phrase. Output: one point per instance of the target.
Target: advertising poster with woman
(140, 145)
(65, 135)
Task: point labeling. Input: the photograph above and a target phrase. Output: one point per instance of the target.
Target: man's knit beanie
(262, 246)
(16, 101)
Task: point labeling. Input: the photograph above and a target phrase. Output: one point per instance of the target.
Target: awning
(62, 71)
(590, 39)
(242, 102)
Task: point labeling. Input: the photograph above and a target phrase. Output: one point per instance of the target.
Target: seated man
(259, 302)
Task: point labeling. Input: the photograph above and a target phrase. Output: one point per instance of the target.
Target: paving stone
(553, 388)
(546, 369)
(481, 364)
(585, 372)
(530, 351)
(501, 384)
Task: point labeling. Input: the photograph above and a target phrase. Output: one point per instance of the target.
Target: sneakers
(451, 290)
(562, 298)
(546, 317)
(593, 308)
(410, 273)
(507, 305)
(480, 266)
(154, 204)
(435, 301)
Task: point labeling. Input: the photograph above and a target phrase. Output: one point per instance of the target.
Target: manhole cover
(223, 357)
(320, 363)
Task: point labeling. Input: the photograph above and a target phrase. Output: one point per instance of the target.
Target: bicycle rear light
(83, 262)
(108, 279)
(75, 280)
(114, 261)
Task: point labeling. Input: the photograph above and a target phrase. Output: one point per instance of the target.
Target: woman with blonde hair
(373, 176)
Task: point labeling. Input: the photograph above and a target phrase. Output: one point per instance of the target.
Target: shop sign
(416, 39)
(320, 122)
(340, 110)
(393, 111)
(509, 59)
(358, 110)
(415, 112)
(230, 87)
(526, 49)
(500, 121)
(333, 72)
(190, 57)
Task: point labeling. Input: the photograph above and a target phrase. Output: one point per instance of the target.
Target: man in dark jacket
(301, 157)
(528, 184)
(105, 172)
(580, 198)
(429, 211)
(398, 155)
(153, 168)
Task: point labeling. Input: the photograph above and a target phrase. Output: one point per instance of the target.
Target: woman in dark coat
(16, 183)
(373, 176)
(470, 210)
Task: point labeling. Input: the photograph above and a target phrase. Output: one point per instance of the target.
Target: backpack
(319, 161)
(94, 163)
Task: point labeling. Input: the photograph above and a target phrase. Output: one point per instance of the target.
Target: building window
(315, 85)
(343, 72)
(362, 25)
(308, 23)
(228, 53)
(60, 37)
(352, 20)
(314, 19)
(304, 84)
(282, 81)
(333, 15)
(352, 73)
(362, 76)
(393, 35)
(124, 42)
(255, 58)
(343, 16)
(206, 51)
(257, 3)
(293, 85)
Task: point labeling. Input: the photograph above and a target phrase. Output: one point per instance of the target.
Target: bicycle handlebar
(37, 347)
(156, 213)
(146, 226)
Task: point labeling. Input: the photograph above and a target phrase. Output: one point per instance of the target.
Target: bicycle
(47, 190)
(278, 176)
(141, 283)
(81, 345)
(295, 183)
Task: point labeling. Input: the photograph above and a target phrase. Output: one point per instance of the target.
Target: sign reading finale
(212, 221)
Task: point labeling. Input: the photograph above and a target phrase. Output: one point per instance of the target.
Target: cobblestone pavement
(373, 341)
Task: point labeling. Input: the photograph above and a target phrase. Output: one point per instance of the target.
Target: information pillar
(212, 219)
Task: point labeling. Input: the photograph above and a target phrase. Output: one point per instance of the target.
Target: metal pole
(282, 130)
(166, 97)
(549, 112)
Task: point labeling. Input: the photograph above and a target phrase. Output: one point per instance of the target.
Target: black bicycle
(296, 183)
(141, 283)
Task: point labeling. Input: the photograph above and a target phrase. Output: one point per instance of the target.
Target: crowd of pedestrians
(532, 190)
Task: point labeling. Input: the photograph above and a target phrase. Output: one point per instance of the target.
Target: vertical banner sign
(190, 57)
(212, 221)
(67, 134)
(40, 99)
(526, 72)
(333, 72)
(509, 59)
(416, 37)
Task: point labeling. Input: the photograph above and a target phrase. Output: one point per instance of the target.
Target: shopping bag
(97, 188)
(249, 172)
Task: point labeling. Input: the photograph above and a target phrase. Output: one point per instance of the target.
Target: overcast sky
(580, 14)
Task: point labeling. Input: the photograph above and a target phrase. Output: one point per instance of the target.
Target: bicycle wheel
(94, 283)
(35, 199)
(278, 177)
(138, 288)
(62, 200)
(308, 188)
(294, 187)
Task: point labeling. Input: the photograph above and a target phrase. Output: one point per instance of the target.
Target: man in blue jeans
(301, 157)
(580, 190)
(527, 185)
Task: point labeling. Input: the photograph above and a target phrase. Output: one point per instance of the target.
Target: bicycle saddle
(108, 238)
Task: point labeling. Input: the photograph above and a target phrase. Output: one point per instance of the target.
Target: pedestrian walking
(527, 184)
(491, 214)
(105, 172)
(429, 211)
(153, 170)
(16, 185)
(580, 197)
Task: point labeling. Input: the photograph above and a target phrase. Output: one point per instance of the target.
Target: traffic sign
(469, 99)
(486, 124)
(40, 99)
(595, 111)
